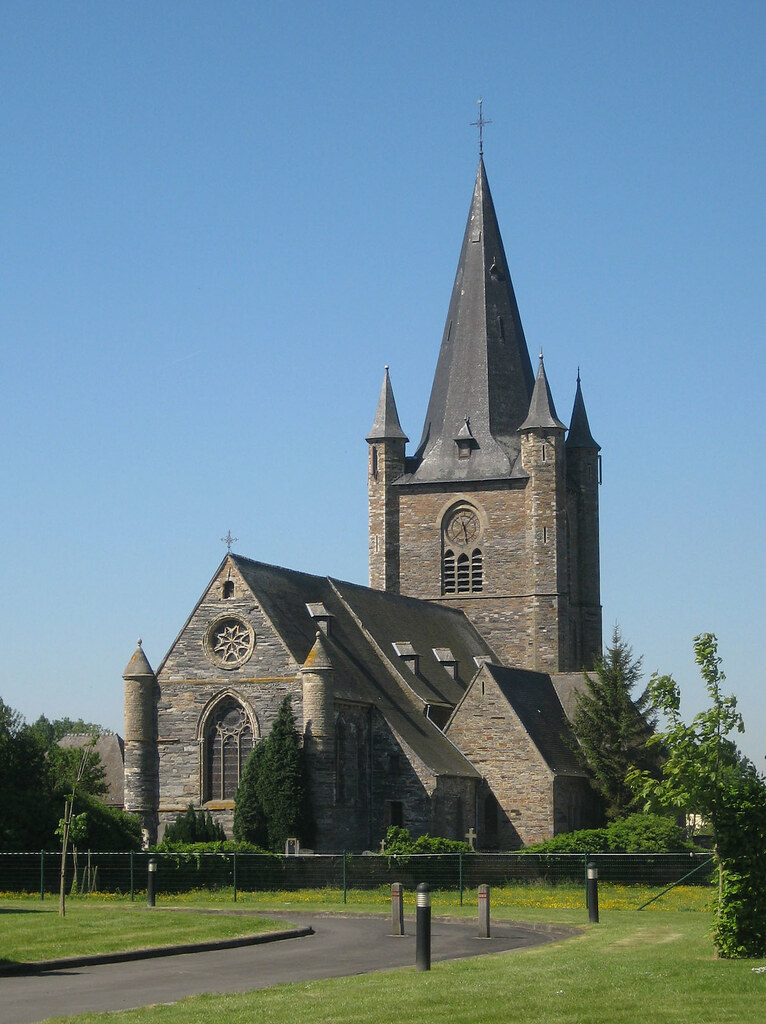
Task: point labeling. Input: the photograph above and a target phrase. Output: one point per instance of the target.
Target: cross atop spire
(480, 125)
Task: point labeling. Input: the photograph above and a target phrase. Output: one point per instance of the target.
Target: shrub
(192, 827)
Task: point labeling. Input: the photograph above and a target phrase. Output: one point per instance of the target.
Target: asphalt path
(340, 946)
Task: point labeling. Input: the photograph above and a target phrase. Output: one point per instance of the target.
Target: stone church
(437, 697)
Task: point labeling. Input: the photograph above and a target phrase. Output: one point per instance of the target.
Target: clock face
(463, 527)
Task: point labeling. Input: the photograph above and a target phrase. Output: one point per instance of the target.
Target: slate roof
(579, 429)
(386, 426)
(484, 372)
(534, 699)
(542, 411)
(365, 626)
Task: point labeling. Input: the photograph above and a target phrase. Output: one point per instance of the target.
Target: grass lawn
(650, 967)
(632, 968)
(32, 930)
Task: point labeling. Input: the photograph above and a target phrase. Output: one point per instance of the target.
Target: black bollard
(151, 882)
(483, 911)
(423, 934)
(592, 892)
(397, 908)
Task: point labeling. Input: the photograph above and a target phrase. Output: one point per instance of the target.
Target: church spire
(579, 429)
(484, 372)
(386, 426)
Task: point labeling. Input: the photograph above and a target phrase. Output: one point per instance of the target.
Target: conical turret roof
(318, 658)
(579, 429)
(386, 425)
(138, 667)
(484, 372)
(542, 411)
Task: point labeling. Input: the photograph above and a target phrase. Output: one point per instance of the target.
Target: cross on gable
(228, 540)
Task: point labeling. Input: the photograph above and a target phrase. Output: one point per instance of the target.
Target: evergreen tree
(613, 729)
(193, 827)
(249, 817)
(281, 785)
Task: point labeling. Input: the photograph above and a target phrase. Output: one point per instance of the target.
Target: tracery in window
(228, 743)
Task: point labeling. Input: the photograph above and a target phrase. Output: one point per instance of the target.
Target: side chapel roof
(365, 626)
(534, 699)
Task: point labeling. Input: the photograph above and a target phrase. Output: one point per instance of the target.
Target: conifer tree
(281, 783)
(613, 729)
(249, 817)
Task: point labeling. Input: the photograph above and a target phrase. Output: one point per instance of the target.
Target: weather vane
(480, 125)
(228, 540)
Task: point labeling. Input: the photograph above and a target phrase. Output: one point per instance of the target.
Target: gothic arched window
(228, 743)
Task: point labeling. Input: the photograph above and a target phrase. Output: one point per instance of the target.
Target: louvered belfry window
(228, 744)
(448, 572)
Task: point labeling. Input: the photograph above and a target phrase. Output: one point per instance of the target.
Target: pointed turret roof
(542, 411)
(484, 372)
(138, 667)
(579, 429)
(318, 658)
(386, 426)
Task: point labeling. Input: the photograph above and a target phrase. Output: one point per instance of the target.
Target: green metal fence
(126, 873)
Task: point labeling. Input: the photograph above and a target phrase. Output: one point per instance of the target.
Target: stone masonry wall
(189, 684)
(491, 736)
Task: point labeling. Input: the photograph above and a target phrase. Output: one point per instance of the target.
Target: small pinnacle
(578, 374)
(139, 641)
(541, 353)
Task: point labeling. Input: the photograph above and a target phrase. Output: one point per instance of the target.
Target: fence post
(587, 893)
(344, 876)
(397, 908)
(234, 873)
(460, 875)
(42, 874)
(483, 911)
(131, 877)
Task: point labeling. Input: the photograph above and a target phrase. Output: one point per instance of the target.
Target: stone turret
(543, 458)
(387, 443)
(317, 676)
(141, 779)
(582, 455)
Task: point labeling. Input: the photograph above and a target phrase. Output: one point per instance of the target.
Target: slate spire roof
(386, 426)
(484, 373)
(579, 429)
(542, 411)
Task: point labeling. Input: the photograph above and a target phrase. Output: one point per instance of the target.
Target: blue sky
(220, 221)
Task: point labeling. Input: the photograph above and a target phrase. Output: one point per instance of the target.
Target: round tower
(141, 778)
(319, 737)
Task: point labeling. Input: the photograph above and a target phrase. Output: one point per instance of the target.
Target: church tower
(495, 512)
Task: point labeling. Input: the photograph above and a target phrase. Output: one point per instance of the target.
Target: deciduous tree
(703, 773)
